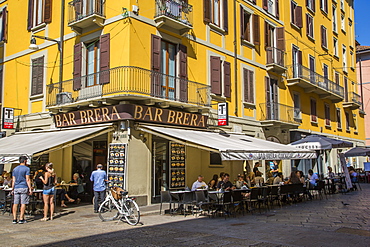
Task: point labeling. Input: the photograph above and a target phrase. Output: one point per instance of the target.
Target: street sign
(223, 114)
(8, 118)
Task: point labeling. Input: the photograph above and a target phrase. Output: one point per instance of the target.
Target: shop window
(220, 69)
(215, 159)
(37, 80)
(39, 12)
(296, 14)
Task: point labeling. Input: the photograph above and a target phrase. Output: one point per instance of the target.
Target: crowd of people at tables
(274, 177)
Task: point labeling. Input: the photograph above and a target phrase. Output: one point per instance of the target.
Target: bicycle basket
(116, 192)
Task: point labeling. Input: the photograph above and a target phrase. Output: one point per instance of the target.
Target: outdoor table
(182, 198)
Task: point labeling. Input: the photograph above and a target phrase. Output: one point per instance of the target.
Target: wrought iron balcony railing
(272, 111)
(177, 10)
(131, 83)
(80, 9)
(313, 78)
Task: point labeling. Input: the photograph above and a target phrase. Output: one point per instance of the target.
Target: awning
(231, 146)
(35, 143)
(357, 151)
(318, 142)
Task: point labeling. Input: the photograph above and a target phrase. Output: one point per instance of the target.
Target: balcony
(276, 114)
(312, 82)
(352, 101)
(128, 83)
(174, 15)
(275, 60)
(85, 13)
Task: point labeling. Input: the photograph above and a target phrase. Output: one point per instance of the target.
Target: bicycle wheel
(133, 214)
(108, 211)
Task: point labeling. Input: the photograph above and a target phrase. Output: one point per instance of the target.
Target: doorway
(160, 168)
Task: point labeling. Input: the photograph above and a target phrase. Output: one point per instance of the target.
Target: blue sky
(362, 21)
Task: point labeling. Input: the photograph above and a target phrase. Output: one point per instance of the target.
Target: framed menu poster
(117, 165)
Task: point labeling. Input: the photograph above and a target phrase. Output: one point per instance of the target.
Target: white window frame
(250, 24)
(310, 5)
(335, 47)
(297, 111)
(344, 57)
(38, 13)
(343, 22)
(323, 4)
(335, 21)
(312, 27)
(342, 5)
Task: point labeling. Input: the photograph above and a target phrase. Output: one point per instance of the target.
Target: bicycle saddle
(124, 193)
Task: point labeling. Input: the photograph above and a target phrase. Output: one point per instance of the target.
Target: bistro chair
(166, 198)
(238, 202)
(5, 202)
(356, 182)
(274, 194)
(201, 202)
(263, 198)
(252, 200)
(319, 189)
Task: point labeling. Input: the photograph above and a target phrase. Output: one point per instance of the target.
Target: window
(313, 111)
(352, 60)
(248, 81)
(309, 22)
(335, 47)
(296, 14)
(311, 5)
(271, 6)
(337, 78)
(89, 60)
(37, 80)
(3, 25)
(343, 23)
(344, 56)
(216, 13)
(297, 62)
(327, 114)
(347, 121)
(339, 119)
(342, 5)
(312, 69)
(39, 12)
(297, 106)
(354, 123)
(249, 26)
(220, 86)
(324, 40)
(324, 5)
(335, 24)
(326, 72)
(345, 89)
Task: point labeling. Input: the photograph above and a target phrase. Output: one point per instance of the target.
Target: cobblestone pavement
(339, 220)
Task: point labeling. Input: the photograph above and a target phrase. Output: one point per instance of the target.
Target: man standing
(98, 177)
(21, 189)
(199, 184)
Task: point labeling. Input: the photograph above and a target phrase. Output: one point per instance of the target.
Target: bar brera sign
(130, 112)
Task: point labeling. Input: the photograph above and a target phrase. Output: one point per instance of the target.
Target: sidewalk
(341, 220)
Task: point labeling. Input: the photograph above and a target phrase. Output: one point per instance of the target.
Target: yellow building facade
(284, 68)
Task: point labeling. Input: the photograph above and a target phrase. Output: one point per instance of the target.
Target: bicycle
(118, 205)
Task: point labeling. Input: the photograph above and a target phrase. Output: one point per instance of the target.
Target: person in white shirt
(199, 184)
(313, 178)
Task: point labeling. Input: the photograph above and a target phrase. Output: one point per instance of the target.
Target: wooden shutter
(242, 27)
(251, 86)
(313, 111)
(256, 30)
(298, 16)
(37, 76)
(268, 97)
(313, 5)
(216, 75)
(47, 11)
(277, 13)
(264, 4)
(280, 38)
(207, 10)
(326, 6)
(227, 80)
(30, 15)
(226, 19)
(183, 73)
(5, 25)
(156, 65)
(337, 78)
(246, 85)
(77, 65)
(300, 57)
(308, 21)
(327, 114)
(323, 36)
(266, 34)
(104, 58)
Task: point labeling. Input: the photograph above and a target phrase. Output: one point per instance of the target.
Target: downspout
(61, 46)
(362, 93)
(235, 64)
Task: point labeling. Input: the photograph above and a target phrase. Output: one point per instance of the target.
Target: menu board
(117, 164)
(177, 169)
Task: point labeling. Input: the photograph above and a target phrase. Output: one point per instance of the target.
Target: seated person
(330, 173)
(63, 196)
(240, 182)
(293, 179)
(352, 174)
(270, 178)
(212, 185)
(7, 180)
(225, 184)
(279, 178)
(74, 192)
(199, 184)
(313, 178)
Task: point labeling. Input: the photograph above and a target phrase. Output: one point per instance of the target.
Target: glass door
(160, 168)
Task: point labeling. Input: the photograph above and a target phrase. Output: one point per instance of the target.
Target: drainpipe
(362, 93)
(61, 46)
(235, 64)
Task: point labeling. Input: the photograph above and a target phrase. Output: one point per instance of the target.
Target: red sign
(223, 115)
(8, 118)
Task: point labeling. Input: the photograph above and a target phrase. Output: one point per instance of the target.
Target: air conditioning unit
(63, 98)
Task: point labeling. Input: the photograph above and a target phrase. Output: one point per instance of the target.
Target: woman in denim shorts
(49, 180)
